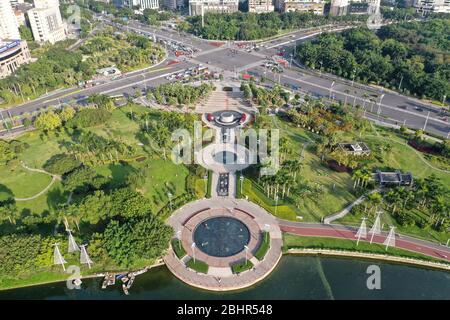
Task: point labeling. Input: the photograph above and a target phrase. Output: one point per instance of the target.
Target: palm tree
(8, 212)
(357, 176)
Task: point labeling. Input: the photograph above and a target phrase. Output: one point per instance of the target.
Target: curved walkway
(220, 277)
(54, 178)
(343, 232)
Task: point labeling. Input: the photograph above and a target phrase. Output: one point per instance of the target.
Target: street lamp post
(353, 76)
(426, 121)
(276, 204)
(242, 180)
(193, 251)
(246, 254)
(331, 88)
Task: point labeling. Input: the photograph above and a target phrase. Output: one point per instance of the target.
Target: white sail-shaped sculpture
(58, 258)
(362, 231)
(84, 257)
(376, 228)
(73, 246)
(390, 240)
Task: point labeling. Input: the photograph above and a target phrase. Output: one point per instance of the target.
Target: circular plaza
(223, 244)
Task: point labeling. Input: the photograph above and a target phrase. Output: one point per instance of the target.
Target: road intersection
(379, 104)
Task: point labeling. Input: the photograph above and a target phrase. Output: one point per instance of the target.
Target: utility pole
(331, 88)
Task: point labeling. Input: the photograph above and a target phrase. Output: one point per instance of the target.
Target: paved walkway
(220, 276)
(54, 178)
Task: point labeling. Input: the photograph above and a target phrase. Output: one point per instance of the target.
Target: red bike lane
(350, 235)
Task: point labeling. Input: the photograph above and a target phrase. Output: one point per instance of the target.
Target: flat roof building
(46, 22)
(196, 7)
(260, 6)
(12, 55)
(393, 178)
(9, 27)
(311, 6)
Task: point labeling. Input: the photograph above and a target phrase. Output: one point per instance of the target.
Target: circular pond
(221, 236)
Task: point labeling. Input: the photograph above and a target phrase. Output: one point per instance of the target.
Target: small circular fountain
(227, 117)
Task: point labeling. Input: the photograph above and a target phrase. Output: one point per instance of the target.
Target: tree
(48, 121)
(61, 164)
(136, 240)
(67, 113)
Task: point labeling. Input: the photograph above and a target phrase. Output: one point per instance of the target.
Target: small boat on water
(108, 281)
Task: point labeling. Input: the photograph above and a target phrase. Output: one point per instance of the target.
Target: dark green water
(296, 277)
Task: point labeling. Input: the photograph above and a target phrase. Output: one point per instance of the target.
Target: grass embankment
(197, 265)
(241, 266)
(264, 246)
(298, 242)
(209, 184)
(178, 248)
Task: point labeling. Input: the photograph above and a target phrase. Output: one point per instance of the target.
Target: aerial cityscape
(225, 150)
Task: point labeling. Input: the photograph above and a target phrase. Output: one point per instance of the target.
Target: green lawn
(198, 265)
(264, 246)
(242, 266)
(22, 182)
(178, 248)
(293, 241)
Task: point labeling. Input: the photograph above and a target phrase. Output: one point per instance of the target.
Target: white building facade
(46, 22)
(196, 7)
(9, 27)
(435, 6)
(260, 6)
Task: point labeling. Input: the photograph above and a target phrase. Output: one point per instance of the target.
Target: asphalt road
(393, 107)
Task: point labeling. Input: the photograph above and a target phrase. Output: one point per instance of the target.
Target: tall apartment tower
(146, 4)
(339, 7)
(218, 6)
(428, 6)
(46, 22)
(9, 28)
(260, 6)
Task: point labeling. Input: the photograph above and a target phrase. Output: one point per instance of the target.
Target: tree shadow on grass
(119, 174)
(6, 195)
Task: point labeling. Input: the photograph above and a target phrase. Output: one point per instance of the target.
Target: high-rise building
(428, 6)
(13, 2)
(260, 6)
(339, 7)
(311, 6)
(9, 28)
(219, 6)
(145, 4)
(46, 22)
(170, 4)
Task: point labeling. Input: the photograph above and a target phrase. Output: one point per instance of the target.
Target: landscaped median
(197, 265)
(264, 247)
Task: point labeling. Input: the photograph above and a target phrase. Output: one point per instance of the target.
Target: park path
(54, 178)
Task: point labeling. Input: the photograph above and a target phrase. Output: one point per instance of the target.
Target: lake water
(296, 277)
